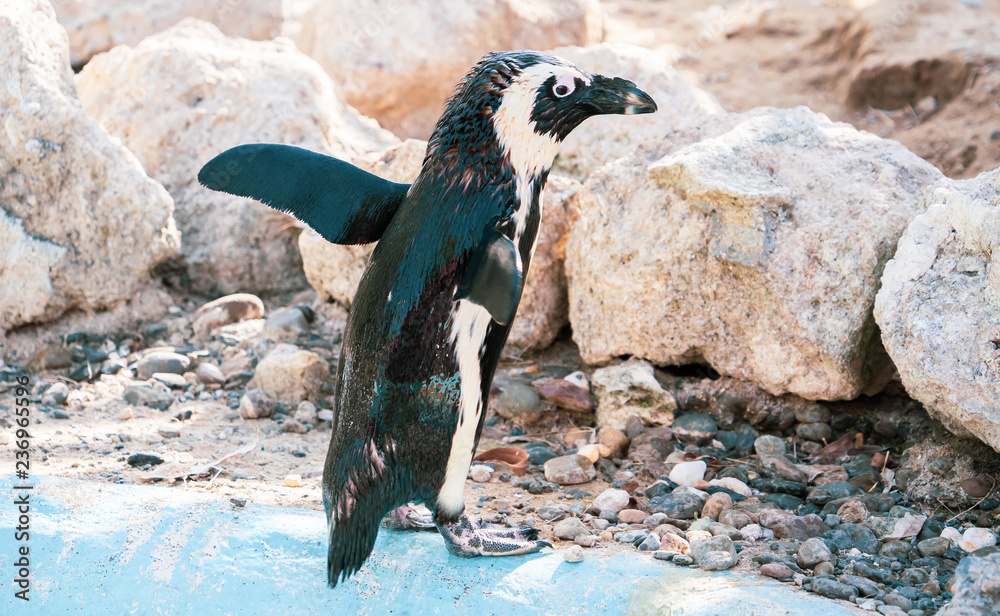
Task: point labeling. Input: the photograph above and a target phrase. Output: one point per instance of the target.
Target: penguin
(434, 307)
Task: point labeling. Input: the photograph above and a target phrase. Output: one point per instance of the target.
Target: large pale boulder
(183, 96)
(544, 307)
(335, 270)
(81, 224)
(602, 139)
(755, 244)
(939, 307)
(399, 62)
(95, 27)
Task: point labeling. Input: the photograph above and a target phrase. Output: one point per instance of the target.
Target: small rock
(812, 413)
(733, 517)
(866, 587)
(780, 467)
(226, 310)
(814, 431)
(936, 546)
(324, 415)
(834, 490)
(834, 589)
(650, 544)
(579, 379)
(778, 571)
(573, 555)
(305, 413)
(289, 374)
(615, 441)
(161, 361)
(631, 516)
(293, 481)
(677, 505)
(671, 542)
(769, 445)
(209, 374)
(898, 600)
(686, 473)
(569, 470)
(168, 433)
(518, 401)
(716, 504)
(153, 395)
(683, 560)
(976, 487)
(852, 512)
(752, 532)
(286, 322)
(56, 394)
(976, 538)
(812, 552)
(255, 404)
(174, 381)
(564, 394)
(612, 499)
(569, 528)
(800, 528)
(695, 428)
(594, 451)
(139, 460)
(585, 540)
(481, 473)
(734, 484)
(631, 389)
(714, 553)
(823, 568)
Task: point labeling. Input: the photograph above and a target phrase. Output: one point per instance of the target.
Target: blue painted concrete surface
(110, 549)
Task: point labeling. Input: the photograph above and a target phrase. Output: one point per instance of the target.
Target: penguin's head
(520, 105)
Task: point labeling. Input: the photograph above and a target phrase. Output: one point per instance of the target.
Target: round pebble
(573, 555)
(686, 473)
(293, 481)
(768, 444)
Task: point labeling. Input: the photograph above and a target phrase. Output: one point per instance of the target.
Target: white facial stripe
(468, 332)
(529, 152)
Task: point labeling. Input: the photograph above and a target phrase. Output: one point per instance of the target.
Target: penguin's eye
(564, 86)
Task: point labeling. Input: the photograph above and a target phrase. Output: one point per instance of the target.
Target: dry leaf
(176, 470)
(907, 526)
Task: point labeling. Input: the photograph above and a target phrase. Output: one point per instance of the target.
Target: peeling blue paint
(101, 549)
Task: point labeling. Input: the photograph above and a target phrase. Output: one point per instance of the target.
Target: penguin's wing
(344, 204)
(493, 279)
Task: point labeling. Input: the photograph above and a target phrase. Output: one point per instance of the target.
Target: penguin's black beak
(614, 95)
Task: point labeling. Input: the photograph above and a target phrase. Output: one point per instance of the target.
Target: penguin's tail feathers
(363, 492)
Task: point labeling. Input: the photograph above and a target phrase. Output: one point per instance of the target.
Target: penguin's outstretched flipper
(468, 539)
(344, 204)
(493, 279)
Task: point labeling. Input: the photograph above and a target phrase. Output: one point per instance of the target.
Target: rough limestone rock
(335, 271)
(602, 139)
(183, 96)
(398, 62)
(544, 307)
(627, 389)
(81, 224)
(939, 307)
(290, 374)
(94, 27)
(755, 244)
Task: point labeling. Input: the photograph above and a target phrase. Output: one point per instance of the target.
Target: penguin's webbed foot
(467, 539)
(408, 517)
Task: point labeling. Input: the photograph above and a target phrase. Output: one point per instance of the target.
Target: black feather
(344, 204)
